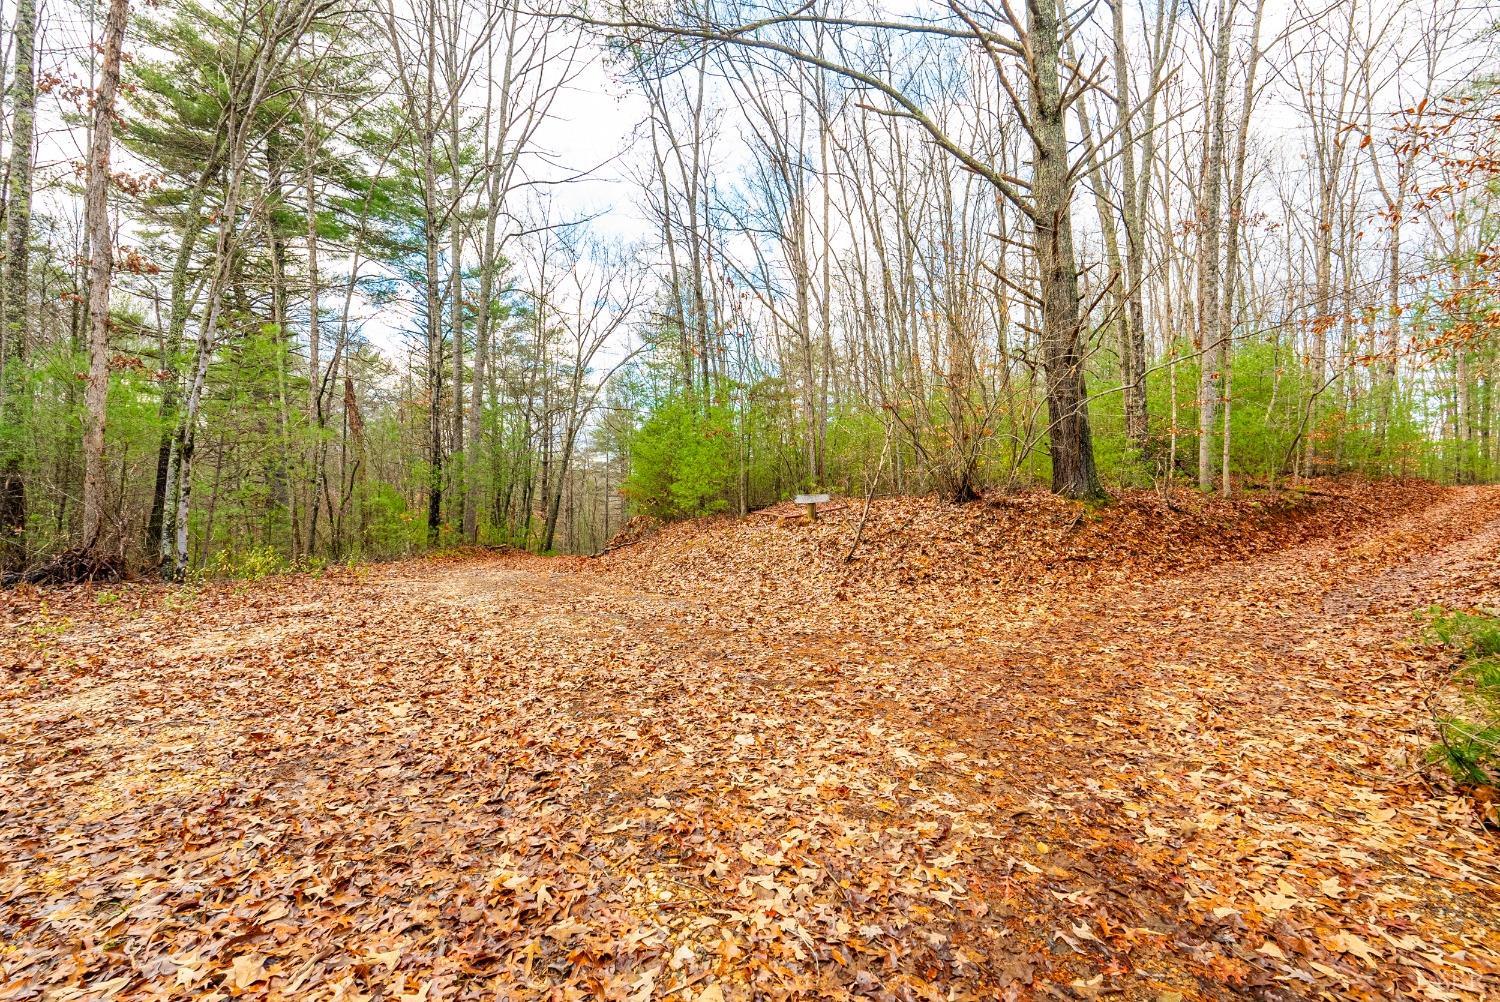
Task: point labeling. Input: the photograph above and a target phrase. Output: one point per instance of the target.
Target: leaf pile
(1175, 767)
(934, 557)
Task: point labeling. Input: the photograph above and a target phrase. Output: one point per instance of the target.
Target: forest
(727, 501)
(303, 282)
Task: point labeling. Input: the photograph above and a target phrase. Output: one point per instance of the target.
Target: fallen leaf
(246, 970)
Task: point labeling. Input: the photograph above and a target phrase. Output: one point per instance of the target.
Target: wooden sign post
(812, 501)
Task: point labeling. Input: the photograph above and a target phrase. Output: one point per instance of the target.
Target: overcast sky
(592, 127)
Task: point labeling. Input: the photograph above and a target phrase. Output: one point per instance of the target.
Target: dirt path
(516, 778)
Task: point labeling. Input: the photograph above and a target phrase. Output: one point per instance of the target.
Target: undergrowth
(254, 563)
(1468, 744)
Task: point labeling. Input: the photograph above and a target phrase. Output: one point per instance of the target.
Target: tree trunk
(456, 305)
(482, 326)
(1232, 236)
(430, 223)
(98, 538)
(158, 526)
(434, 360)
(1210, 313)
(14, 325)
(1073, 471)
(1132, 324)
(315, 419)
(238, 125)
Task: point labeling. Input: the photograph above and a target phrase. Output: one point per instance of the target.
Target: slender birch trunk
(289, 24)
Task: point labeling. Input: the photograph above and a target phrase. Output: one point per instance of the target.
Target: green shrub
(1468, 750)
(391, 527)
(1485, 674)
(1468, 746)
(1474, 636)
(250, 563)
(683, 460)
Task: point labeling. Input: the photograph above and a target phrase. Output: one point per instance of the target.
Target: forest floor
(1016, 749)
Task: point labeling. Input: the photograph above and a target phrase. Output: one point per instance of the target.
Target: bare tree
(1029, 46)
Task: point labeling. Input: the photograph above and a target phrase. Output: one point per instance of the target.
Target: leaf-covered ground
(1016, 749)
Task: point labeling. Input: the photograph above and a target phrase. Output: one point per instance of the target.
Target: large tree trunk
(14, 325)
(1071, 443)
(98, 537)
(1210, 313)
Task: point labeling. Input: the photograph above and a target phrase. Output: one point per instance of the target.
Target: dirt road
(521, 778)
